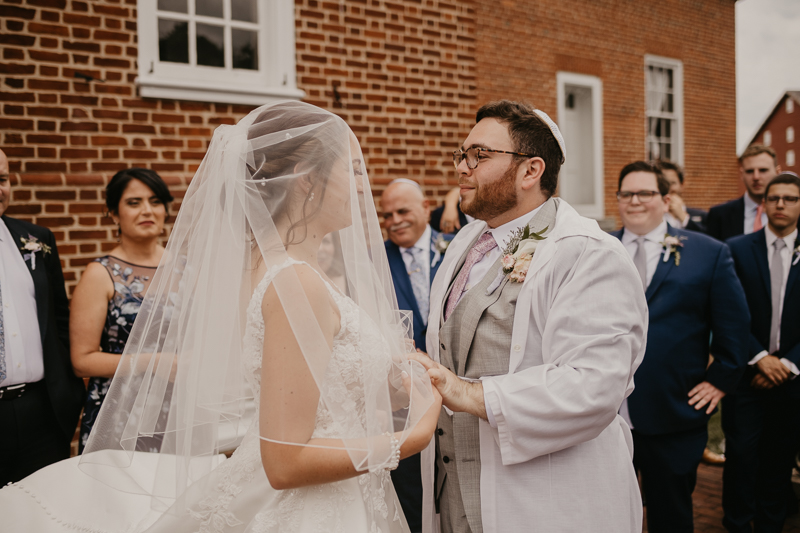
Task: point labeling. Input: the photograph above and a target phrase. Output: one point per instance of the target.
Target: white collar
(657, 235)
(424, 242)
(502, 234)
(749, 203)
(771, 238)
(3, 229)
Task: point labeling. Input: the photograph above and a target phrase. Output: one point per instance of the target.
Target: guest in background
(680, 216)
(448, 217)
(693, 297)
(762, 419)
(415, 252)
(758, 164)
(111, 289)
(40, 396)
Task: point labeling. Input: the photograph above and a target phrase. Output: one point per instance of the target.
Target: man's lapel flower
(672, 245)
(796, 252)
(518, 253)
(32, 245)
(439, 247)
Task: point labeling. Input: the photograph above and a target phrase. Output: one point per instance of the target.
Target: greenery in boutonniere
(672, 245)
(518, 253)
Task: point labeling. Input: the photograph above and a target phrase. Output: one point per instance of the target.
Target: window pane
(209, 8)
(177, 6)
(173, 41)
(210, 45)
(244, 10)
(245, 49)
(670, 104)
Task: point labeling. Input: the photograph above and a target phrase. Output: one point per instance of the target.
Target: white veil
(267, 189)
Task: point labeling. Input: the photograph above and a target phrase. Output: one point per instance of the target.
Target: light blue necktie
(2, 340)
(419, 283)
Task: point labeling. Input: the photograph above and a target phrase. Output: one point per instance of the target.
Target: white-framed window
(580, 119)
(790, 134)
(789, 158)
(228, 51)
(789, 105)
(767, 138)
(663, 108)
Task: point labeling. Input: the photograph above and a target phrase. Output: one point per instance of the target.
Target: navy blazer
(726, 220)
(752, 266)
(402, 284)
(690, 305)
(66, 390)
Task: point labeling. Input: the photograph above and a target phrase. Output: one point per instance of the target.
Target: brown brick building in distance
(89, 87)
(780, 131)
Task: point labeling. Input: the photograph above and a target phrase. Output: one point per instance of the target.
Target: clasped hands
(457, 394)
(771, 373)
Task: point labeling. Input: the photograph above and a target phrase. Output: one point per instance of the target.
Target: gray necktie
(640, 261)
(419, 283)
(775, 282)
(2, 340)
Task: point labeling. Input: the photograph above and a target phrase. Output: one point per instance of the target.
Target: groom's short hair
(530, 135)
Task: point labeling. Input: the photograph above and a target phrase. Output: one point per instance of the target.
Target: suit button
(440, 431)
(517, 347)
(445, 459)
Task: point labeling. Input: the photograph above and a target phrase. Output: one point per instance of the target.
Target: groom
(532, 365)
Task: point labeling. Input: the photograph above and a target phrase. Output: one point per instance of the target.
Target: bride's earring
(311, 197)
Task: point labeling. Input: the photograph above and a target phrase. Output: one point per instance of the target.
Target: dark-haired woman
(111, 289)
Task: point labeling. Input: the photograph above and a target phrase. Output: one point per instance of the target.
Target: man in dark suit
(758, 164)
(692, 292)
(415, 252)
(762, 419)
(40, 396)
(680, 216)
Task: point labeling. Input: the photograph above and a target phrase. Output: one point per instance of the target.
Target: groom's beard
(493, 199)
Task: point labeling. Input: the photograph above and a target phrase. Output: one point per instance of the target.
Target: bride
(238, 314)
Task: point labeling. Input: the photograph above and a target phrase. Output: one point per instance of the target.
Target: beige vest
(474, 342)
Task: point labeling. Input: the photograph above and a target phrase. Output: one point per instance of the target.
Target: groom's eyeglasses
(472, 155)
(625, 197)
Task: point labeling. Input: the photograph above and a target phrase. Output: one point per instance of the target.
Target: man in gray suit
(541, 324)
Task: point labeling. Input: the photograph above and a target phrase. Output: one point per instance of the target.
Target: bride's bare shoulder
(301, 286)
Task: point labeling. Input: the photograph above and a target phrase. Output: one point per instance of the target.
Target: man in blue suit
(415, 252)
(762, 418)
(692, 292)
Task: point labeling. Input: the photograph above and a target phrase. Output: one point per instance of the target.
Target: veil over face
(287, 184)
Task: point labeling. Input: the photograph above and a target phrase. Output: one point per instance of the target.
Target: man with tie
(762, 419)
(680, 216)
(693, 298)
(414, 251)
(758, 164)
(40, 396)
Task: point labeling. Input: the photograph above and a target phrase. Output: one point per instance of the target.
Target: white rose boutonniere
(438, 247)
(518, 253)
(796, 252)
(32, 245)
(672, 245)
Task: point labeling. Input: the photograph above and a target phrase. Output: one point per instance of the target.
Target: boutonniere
(672, 245)
(438, 247)
(796, 252)
(32, 245)
(518, 253)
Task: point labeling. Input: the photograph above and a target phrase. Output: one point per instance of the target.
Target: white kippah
(555, 131)
(405, 180)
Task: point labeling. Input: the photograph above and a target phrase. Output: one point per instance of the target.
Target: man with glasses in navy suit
(692, 292)
(415, 252)
(762, 419)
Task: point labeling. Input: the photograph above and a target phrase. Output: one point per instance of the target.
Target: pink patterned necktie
(481, 248)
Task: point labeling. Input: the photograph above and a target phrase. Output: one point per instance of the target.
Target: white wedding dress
(63, 498)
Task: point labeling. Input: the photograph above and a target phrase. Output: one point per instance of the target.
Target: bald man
(415, 252)
(40, 396)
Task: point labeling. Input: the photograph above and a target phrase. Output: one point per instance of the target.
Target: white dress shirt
(750, 210)
(786, 257)
(502, 235)
(24, 361)
(652, 246)
(423, 244)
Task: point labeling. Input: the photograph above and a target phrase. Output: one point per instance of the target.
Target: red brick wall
(409, 76)
(776, 125)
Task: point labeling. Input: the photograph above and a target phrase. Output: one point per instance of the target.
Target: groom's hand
(705, 393)
(457, 395)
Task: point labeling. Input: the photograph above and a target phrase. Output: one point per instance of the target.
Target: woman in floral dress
(111, 289)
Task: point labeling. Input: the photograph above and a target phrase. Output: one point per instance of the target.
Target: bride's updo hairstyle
(288, 143)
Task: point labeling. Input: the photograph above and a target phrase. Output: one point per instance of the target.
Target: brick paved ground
(708, 503)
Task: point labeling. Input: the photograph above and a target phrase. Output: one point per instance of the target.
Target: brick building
(780, 129)
(92, 86)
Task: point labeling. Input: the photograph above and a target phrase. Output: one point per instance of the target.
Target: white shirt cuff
(490, 415)
(759, 356)
(788, 364)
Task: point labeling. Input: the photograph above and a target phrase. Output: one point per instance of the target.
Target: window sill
(195, 91)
